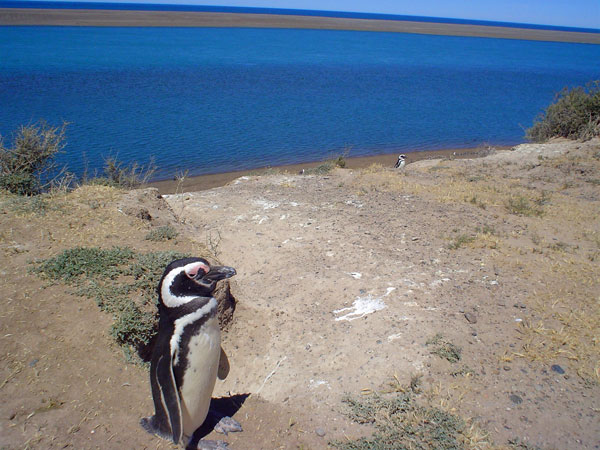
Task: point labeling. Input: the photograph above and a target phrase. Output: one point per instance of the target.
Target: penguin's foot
(150, 424)
(212, 445)
(227, 425)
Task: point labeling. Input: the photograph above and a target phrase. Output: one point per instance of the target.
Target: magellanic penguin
(401, 162)
(185, 361)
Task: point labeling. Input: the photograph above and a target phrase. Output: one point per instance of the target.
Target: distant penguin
(401, 162)
(186, 357)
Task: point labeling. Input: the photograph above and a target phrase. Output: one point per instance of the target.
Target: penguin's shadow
(219, 408)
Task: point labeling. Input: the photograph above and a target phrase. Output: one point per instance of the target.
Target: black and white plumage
(187, 354)
(401, 162)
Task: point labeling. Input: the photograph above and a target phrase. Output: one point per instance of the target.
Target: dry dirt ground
(343, 279)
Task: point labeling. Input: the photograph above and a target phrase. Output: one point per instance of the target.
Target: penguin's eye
(196, 270)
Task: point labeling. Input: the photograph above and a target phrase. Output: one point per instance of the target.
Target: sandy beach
(204, 182)
(66, 17)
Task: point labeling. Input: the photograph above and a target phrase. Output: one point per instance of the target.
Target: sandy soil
(66, 17)
(342, 279)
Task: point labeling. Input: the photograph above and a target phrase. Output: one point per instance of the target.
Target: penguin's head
(186, 279)
(401, 157)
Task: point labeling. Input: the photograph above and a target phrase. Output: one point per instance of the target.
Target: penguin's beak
(219, 273)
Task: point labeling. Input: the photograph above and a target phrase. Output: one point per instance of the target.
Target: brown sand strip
(203, 182)
(70, 17)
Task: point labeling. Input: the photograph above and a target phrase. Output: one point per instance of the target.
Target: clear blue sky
(574, 13)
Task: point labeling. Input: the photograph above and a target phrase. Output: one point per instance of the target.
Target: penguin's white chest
(200, 375)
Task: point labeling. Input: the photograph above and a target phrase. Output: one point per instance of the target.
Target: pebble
(507, 368)
(33, 362)
(320, 432)
(212, 445)
(558, 369)
(471, 318)
(520, 305)
(515, 399)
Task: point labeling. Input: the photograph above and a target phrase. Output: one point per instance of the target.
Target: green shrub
(29, 166)
(39, 204)
(165, 233)
(121, 282)
(19, 183)
(575, 114)
(91, 262)
(133, 327)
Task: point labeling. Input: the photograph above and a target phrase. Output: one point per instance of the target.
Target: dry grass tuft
(403, 418)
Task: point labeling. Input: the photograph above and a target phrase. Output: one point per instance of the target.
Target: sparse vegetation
(401, 422)
(38, 204)
(165, 233)
(28, 166)
(486, 229)
(118, 174)
(461, 240)
(521, 206)
(121, 281)
(328, 166)
(444, 348)
(575, 114)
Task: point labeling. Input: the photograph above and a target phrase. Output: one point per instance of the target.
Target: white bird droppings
(361, 307)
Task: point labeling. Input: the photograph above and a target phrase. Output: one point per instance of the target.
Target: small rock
(33, 362)
(507, 368)
(474, 333)
(228, 425)
(515, 399)
(212, 445)
(520, 305)
(471, 318)
(320, 432)
(558, 369)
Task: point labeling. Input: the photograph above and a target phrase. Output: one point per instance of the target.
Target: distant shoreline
(203, 182)
(129, 18)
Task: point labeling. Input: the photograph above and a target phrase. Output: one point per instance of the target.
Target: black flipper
(167, 421)
(170, 397)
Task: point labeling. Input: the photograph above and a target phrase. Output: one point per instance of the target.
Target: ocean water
(208, 100)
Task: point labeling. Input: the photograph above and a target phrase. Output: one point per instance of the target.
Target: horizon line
(154, 6)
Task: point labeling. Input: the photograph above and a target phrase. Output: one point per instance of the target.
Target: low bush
(165, 233)
(122, 282)
(328, 166)
(575, 114)
(117, 174)
(28, 166)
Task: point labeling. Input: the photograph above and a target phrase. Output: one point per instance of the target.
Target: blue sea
(212, 100)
